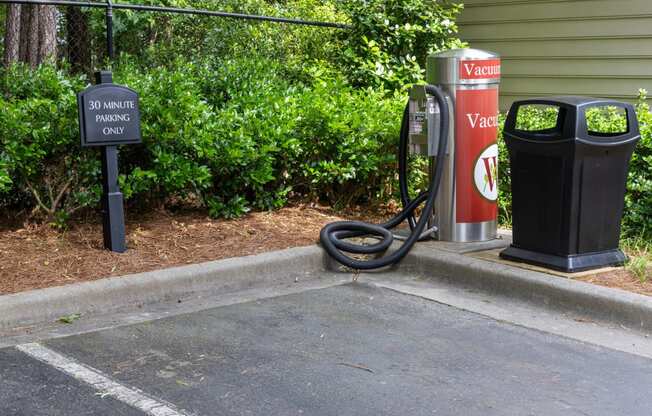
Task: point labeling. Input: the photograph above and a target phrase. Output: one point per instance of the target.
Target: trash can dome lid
(570, 101)
(572, 123)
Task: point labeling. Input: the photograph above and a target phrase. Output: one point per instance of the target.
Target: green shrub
(638, 202)
(153, 38)
(349, 141)
(504, 179)
(272, 116)
(230, 136)
(178, 130)
(607, 119)
(390, 40)
(387, 45)
(40, 155)
(535, 117)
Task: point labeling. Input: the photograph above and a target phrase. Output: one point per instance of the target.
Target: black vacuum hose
(333, 235)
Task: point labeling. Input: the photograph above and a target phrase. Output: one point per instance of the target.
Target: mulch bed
(37, 256)
(621, 279)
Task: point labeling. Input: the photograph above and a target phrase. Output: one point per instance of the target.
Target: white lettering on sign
(483, 122)
(112, 118)
(99, 107)
(108, 131)
(111, 105)
(482, 71)
(479, 69)
(119, 105)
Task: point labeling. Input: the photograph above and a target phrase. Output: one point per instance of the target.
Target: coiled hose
(333, 235)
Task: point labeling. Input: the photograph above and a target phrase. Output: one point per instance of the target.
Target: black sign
(108, 115)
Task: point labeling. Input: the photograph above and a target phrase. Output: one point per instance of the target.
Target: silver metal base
(472, 232)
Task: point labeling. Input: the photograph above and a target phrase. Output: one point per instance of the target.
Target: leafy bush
(253, 137)
(349, 141)
(390, 40)
(535, 117)
(154, 37)
(230, 136)
(638, 202)
(387, 45)
(607, 119)
(41, 165)
(504, 178)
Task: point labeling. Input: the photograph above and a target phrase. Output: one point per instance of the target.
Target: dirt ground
(621, 279)
(34, 257)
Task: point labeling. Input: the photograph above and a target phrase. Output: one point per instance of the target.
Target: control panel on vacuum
(424, 119)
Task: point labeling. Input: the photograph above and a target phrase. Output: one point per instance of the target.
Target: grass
(69, 319)
(639, 251)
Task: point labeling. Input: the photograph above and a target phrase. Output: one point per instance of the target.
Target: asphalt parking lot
(353, 349)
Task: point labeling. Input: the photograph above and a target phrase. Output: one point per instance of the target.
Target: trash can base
(568, 264)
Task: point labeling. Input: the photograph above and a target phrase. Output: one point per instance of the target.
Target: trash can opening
(606, 121)
(539, 118)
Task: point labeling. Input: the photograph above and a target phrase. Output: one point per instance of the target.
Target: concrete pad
(494, 256)
(361, 350)
(29, 387)
(503, 241)
(607, 305)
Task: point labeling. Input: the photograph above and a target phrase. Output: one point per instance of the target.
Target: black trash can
(568, 183)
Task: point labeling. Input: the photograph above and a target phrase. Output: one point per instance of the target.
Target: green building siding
(559, 47)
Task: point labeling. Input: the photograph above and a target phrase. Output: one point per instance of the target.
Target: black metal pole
(112, 202)
(176, 10)
(109, 31)
(113, 217)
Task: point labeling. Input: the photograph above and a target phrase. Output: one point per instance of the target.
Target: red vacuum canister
(466, 207)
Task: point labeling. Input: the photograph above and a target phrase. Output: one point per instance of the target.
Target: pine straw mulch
(36, 257)
(621, 279)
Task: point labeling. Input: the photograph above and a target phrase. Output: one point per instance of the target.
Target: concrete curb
(597, 302)
(283, 268)
(226, 276)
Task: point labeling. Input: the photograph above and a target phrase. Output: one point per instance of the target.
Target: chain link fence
(35, 34)
(73, 33)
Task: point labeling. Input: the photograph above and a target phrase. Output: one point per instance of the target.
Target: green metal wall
(559, 47)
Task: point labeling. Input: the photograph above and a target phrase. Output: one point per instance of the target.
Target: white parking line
(100, 382)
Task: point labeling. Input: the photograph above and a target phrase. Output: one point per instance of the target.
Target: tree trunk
(33, 37)
(47, 33)
(12, 34)
(23, 51)
(38, 34)
(79, 41)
